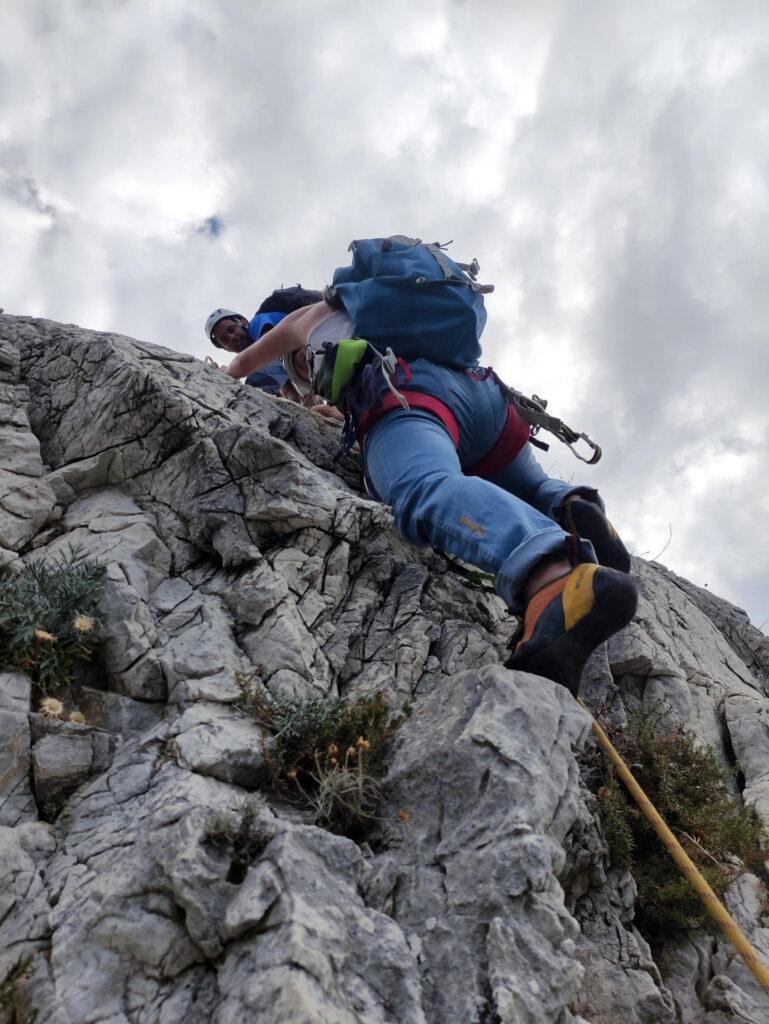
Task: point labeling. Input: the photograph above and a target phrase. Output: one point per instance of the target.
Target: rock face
(26, 500)
(238, 539)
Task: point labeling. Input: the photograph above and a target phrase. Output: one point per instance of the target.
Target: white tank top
(337, 327)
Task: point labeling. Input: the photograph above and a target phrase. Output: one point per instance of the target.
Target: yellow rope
(717, 910)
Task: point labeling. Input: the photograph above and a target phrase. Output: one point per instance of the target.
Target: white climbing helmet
(216, 316)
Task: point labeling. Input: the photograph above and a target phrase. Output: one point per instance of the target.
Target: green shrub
(47, 617)
(327, 749)
(690, 790)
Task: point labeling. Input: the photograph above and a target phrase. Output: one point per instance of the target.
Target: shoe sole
(591, 523)
(564, 659)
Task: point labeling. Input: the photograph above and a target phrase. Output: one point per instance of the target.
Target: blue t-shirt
(272, 377)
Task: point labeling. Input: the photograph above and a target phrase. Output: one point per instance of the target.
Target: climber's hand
(329, 411)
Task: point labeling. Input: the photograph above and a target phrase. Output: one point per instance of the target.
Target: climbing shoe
(587, 520)
(569, 618)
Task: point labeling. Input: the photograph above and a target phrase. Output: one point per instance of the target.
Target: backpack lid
(286, 300)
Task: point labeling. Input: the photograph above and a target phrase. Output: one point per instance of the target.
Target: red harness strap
(416, 400)
(514, 436)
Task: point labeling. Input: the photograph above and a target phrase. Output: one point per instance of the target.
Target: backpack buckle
(388, 364)
(389, 361)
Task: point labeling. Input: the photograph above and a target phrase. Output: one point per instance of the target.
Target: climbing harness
(346, 373)
(712, 903)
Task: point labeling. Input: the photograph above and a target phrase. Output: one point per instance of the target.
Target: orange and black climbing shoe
(569, 618)
(586, 519)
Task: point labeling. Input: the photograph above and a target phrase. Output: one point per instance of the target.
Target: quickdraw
(533, 411)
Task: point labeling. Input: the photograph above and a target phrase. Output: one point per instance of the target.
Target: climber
(442, 446)
(231, 331)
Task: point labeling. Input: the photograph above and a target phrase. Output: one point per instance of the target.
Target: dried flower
(332, 760)
(332, 748)
(44, 637)
(77, 717)
(291, 773)
(83, 623)
(51, 708)
(363, 743)
(404, 816)
(351, 751)
(603, 793)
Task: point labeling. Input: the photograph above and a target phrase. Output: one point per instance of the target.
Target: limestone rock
(65, 755)
(16, 801)
(212, 739)
(24, 908)
(237, 539)
(474, 822)
(118, 714)
(748, 643)
(26, 500)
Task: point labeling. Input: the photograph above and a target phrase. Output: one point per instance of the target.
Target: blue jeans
(505, 525)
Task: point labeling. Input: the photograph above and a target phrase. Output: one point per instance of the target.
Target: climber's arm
(287, 336)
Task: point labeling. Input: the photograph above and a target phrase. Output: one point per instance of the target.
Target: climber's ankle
(548, 569)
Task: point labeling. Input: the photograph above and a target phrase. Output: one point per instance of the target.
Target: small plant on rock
(9, 982)
(329, 749)
(52, 707)
(241, 836)
(48, 618)
(690, 789)
(343, 794)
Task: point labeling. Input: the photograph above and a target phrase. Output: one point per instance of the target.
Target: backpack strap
(400, 239)
(443, 263)
(471, 269)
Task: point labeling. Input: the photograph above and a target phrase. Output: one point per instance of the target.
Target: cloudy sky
(607, 163)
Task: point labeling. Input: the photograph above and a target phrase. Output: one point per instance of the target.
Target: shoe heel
(564, 660)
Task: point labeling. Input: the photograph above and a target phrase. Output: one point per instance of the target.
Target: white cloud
(605, 162)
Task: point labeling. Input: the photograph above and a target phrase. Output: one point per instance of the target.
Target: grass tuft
(690, 789)
(343, 796)
(328, 750)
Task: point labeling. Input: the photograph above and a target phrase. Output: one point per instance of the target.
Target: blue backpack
(403, 294)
